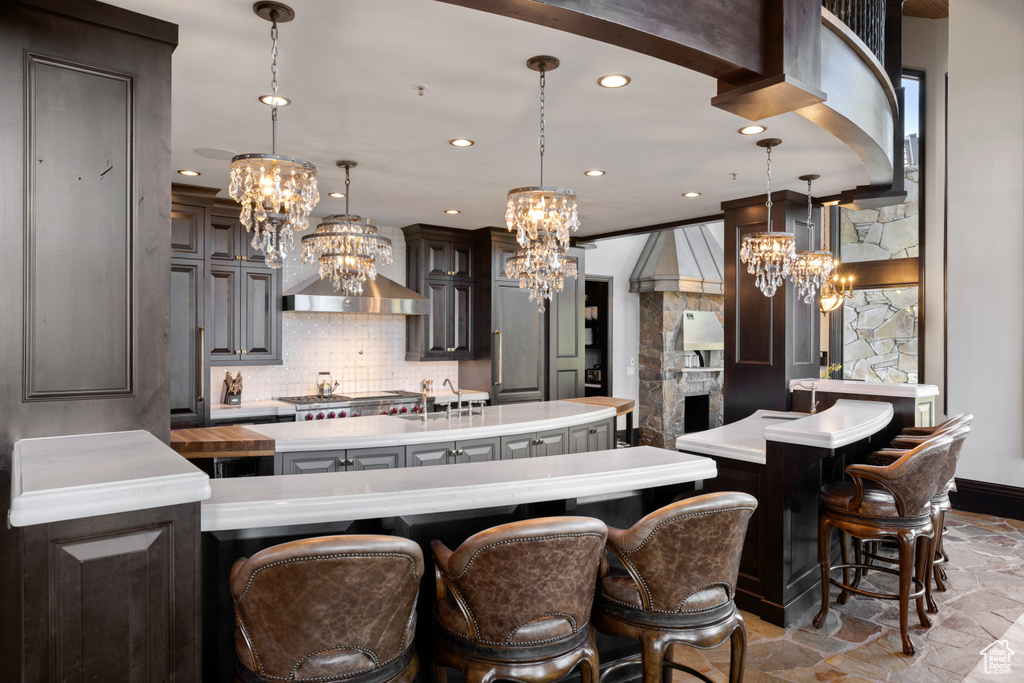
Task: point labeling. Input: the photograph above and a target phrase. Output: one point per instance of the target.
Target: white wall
(986, 234)
(365, 352)
(925, 48)
(615, 258)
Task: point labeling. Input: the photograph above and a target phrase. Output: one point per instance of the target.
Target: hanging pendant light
(347, 248)
(835, 290)
(276, 192)
(811, 268)
(542, 218)
(768, 255)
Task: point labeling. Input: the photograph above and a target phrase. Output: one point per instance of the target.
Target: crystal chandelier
(835, 290)
(811, 268)
(542, 218)
(768, 255)
(276, 192)
(346, 248)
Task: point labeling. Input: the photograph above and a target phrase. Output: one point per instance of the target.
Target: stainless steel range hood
(684, 259)
(700, 331)
(379, 296)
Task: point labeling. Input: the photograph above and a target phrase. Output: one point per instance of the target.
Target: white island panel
(254, 502)
(71, 477)
(385, 430)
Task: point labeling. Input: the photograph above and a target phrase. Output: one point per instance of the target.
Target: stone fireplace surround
(663, 382)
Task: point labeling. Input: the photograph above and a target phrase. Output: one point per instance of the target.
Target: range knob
(394, 411)
(415, 409)
(331, 414)
(403, 410)
(355, 414)
(319, 416)
(341, 414)
(309, 416)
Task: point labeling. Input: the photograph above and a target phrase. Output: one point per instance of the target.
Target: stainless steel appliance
(358, 403)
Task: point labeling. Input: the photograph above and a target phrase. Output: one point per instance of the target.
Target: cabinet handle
(202, 364)
(593, 430)
(243, 351)
(497, 334)
(348, 463)
(245, 258)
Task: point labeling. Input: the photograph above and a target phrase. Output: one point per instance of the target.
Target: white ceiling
(350, 68)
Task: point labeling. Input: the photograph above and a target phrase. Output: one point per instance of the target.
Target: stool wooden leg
(844, 549)
(933, 546)
(824, 553)
(940, 552)
(905, 544)
(739, 652)
(923, 568)
(652, 650)
(590, 666)
(440, 673)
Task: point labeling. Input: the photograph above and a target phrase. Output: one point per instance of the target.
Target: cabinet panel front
(518, 446)
(260, 307)
(519, 360)
(223, 238)
(436, 342)
(186, 356)
(462, 318)
(222, 335)
(187, 225)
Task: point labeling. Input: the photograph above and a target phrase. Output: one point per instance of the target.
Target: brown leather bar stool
(337, 608)
(679, 581)
(892, 501)
(513, 602)
(939, 502)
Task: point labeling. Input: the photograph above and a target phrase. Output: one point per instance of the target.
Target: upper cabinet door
(436, 342)
(461, 320)
(223, 313)
(188, 226)
(462, 260)
(188, 399)
(261, 313)
(223, 239)
(439, 258)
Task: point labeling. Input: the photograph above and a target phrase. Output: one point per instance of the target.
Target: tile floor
(860, 640)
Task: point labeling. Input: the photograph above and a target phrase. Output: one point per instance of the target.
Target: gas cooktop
(348, 397)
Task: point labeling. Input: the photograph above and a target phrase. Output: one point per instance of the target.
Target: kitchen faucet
(448, 383)
(814, 388)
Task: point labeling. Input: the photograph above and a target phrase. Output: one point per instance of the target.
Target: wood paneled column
(768, 340)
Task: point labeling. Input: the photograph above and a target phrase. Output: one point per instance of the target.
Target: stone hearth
(663, 386)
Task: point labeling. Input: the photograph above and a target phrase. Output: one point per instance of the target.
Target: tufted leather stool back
(911, 480)
(326, 608)
(525, 584)
(683, 558)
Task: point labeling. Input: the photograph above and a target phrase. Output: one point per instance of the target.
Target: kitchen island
(782, 459)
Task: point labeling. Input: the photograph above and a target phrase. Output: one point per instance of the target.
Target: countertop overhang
(846, 386)
(255, 502)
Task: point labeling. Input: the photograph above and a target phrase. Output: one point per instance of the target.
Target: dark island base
(220, 550)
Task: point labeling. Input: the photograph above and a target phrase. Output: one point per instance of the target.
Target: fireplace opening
(696, 412)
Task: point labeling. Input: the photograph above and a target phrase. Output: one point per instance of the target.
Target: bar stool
(337, 608)
(939, 502)
(513, 602)
(892, 501)
(679, 582)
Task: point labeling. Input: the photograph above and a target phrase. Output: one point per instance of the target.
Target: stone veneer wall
(882, 234)
(880, 335)
(662, 387)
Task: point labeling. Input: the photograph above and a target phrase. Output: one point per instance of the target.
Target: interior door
(518, 365)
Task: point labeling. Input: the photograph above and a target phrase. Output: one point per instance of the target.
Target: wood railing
(866, 18)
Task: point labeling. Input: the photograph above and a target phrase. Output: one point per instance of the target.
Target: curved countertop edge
(341, 496)
(842, 386)
(383, 438)
(845, 422)
(79, 476)
(728, 443)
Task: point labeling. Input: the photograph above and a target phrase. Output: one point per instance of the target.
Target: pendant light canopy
(347, 248)
(542, 218)
(768, 255)
(276, 192)
(811, 269)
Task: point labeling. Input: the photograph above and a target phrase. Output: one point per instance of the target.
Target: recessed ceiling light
(461, 142)
(594, 173)
(336, 195)
(752, 130)
(189, 173)
(452, 211)
(613, 81)
(691, 195)
(271, 100)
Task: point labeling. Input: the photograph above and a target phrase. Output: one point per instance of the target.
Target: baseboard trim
(986, 498)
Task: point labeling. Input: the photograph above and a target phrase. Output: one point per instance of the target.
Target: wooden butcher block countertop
(218, 442)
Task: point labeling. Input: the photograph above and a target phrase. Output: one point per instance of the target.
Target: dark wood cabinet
(188, 236)
(439, 265)
(189, 403)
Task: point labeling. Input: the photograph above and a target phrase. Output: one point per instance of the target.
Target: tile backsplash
(363, 352)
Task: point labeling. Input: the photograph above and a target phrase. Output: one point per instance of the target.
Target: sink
(430, 416)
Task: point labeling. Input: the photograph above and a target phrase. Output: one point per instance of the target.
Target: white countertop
(253, 502)
(845, 386)
(248, 409)
(384, 430)
(71, 477)
(740, 440)
(845, 422)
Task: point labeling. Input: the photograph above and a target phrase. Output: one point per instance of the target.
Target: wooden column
(768, 340)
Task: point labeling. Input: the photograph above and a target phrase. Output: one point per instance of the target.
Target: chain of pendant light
(273, 79)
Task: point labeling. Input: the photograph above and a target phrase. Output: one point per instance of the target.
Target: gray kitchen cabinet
(309, 462)
(476, 450)
(565, 344)
(553, 442)
(188, 223)
(592, 437)
(428, 454)
(189, 402)
(517, 446)
(375, 458)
